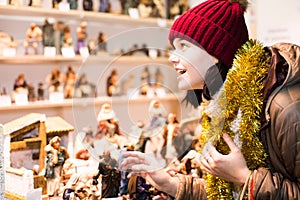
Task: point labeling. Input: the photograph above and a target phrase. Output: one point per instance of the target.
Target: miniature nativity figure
(33, 38)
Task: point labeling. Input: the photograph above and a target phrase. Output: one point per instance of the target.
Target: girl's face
(191, 63)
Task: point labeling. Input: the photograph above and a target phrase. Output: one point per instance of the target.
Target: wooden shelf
(78, 15)
(40, 59)
(86, 102)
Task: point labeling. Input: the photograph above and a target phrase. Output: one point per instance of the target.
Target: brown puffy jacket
(281, 136)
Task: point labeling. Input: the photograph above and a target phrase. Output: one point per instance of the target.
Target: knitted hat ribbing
(218, 26)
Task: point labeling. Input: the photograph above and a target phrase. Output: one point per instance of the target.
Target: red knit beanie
(218, 26)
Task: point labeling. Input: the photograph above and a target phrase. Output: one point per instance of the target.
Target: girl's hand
(231, 167)
(146, 166)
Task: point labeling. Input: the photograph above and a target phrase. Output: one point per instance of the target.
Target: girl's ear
(216, 60)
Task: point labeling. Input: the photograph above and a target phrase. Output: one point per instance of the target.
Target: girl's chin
(184, 87)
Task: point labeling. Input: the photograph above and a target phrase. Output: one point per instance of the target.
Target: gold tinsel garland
(242, 92)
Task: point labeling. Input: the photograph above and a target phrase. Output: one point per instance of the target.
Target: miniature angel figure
(33, 38)
(81, 36)
(70, 80)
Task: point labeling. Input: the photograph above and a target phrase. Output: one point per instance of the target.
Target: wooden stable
(32, 132)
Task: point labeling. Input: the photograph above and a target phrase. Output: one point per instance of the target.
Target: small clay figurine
(87, 5)
(159, 77)
(83, 88)
(55, 3)
(64, 5)
(31, 93)
(104, 6)
(33, 38)
(35, 3)
(48, 34)
(70, 80)
(55, 81)
(67, 39)
(3, 92)
(81, 36)
(6, 41)
(56, 155)
(112, 84)
(98, 44)
(101, 41)
(145, 81)
(41, 92)
(73, 4)
(16, 2)
(20, 83)
(59, 28)
(157, 113)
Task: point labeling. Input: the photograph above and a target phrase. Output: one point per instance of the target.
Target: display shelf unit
(78, 15)
(38, 66)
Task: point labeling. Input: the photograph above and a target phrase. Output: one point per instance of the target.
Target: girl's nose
(173, 58)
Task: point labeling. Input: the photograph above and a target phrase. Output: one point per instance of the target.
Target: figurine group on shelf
(55, 38)
(58, 86)
(145, 8)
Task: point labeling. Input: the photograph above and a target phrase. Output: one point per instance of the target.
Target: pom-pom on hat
(218, 26)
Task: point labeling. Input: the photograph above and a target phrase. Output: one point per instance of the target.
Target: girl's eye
(183, 46)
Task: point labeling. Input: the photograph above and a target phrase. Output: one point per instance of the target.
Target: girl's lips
(180, 69)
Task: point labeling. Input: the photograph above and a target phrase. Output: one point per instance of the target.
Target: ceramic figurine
(59, 31)
(48, 34)
(112, 84)
(73, 4)
(67, 39)
(96, 45)
(40, 92)
(33, 38)
(87, 5)
(55, 81)
(35, 3)
(70, 80)
(31, 93)
(6, 41)
(16, 2)
(56, 155)
(104, 6)
(145, 81)
(81, 36)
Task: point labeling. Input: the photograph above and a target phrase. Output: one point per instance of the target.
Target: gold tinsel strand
(242, 91)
